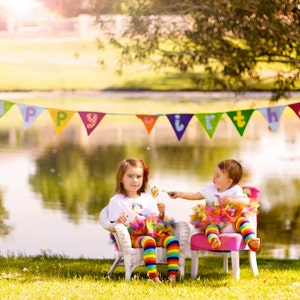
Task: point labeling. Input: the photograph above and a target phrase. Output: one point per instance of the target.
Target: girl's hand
(122, 219)
(161, 208)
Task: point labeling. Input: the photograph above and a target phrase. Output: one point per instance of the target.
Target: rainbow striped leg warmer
(212, 233)
(244, 227)
(171, 243)
(149, 254)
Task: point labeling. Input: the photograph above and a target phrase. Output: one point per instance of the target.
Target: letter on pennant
(29, 113)
(91, 120)
(149, 121)
(179, 123)
(209, 121)
(60, 118)
(240, 119)
(272, 115)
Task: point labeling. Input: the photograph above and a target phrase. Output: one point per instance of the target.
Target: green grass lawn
(74, 64)
(50, 277)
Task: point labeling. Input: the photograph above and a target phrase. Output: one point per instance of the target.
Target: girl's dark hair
(134, 162)
(233, 168)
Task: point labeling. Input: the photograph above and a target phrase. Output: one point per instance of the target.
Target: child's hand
(161, 208)
(173, 194)
(226, 200)
(122, 219)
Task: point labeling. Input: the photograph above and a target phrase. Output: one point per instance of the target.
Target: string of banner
(179, 122)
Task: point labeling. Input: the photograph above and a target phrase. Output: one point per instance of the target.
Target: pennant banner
(240, 119)
(29, 113)
(179, 122)
(60, 118)
(5, 106)
(209, 122)
(272, 115)
(148, 121)
(90, 120)
(296, 108)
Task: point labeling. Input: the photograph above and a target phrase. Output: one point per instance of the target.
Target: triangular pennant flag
(179, 123)
(209, 121)
(29, 113)
(60, 118)
(296, 108)
(240, 119)
(272, 115)
(148, 120)
(5, 107)
(91, 120)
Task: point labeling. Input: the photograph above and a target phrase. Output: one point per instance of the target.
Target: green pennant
(209, 121)
(240, 119)
(5, 107)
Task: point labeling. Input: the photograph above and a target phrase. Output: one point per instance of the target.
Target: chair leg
(235, 263)
(225, 262)
(253, 262)
(195, 263)
(114, 265)
(181, 264)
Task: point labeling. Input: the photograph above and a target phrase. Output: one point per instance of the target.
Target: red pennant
(296, 108)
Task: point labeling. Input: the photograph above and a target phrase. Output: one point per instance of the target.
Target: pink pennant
(91, 120)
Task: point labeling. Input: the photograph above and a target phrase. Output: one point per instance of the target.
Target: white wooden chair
(131, 257)
(231, 245)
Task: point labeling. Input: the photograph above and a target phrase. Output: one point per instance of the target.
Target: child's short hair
(233, 168)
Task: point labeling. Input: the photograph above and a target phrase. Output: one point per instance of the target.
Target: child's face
(221, 180)
(133, 180)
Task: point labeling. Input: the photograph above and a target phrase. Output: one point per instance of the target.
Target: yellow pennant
(60, 118)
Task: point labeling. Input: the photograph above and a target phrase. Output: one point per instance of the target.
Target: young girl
(222, 193)
(144, 218)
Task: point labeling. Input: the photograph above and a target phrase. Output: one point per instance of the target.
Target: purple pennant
(179, 123)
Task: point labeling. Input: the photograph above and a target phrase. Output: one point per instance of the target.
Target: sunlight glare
(20, 7)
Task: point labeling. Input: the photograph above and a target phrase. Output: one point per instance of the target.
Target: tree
(68, 8)
(221, 44)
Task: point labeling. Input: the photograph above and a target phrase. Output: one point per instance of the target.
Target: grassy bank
(72, 64)
(47, 277)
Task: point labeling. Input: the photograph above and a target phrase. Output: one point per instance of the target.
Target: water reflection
(53, 189)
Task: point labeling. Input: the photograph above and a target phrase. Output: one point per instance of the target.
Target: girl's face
(133, 180)
(221, 180)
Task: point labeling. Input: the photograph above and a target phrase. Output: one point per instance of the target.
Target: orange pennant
(148, 120)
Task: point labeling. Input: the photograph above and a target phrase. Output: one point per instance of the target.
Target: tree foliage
(68, 8)
(221, 44)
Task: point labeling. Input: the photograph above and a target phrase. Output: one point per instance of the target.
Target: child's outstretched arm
(186, 195)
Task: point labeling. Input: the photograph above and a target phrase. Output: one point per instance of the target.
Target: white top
(212, 195)
(138, 207)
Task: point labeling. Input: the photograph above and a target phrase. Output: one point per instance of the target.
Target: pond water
(52, 188)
